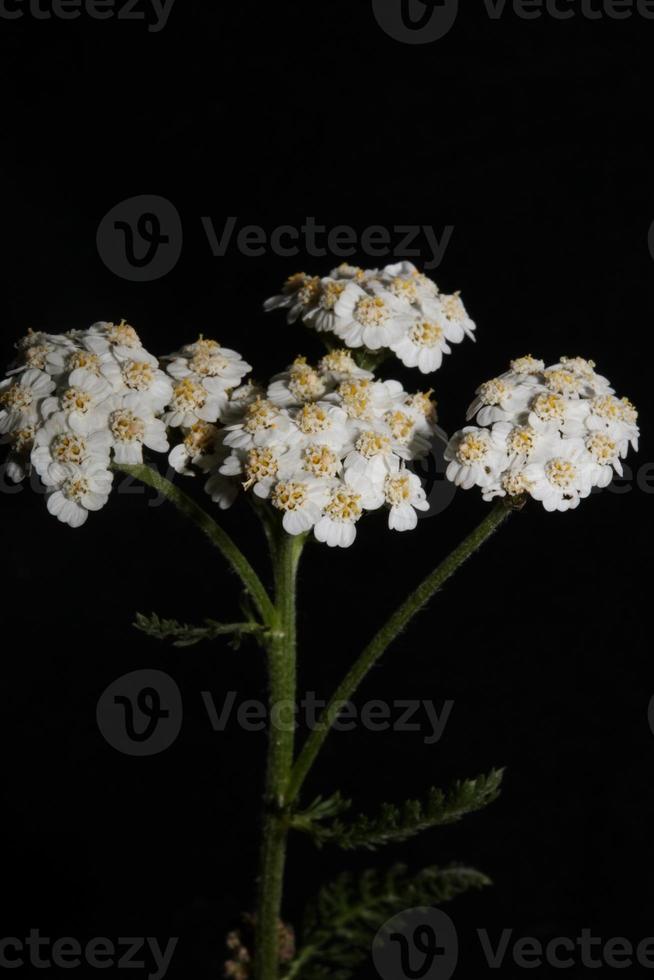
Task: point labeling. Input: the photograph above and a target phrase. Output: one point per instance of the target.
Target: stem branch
(218, 537)
(391, 629)
(282, 680)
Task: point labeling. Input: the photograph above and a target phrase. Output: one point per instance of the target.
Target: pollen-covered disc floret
(327, 443)
(75, 403)
(396, 309)
(553, 433)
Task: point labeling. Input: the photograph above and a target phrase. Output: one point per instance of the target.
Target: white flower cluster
(553, 433)
(80, 400)
(396, 308)
(324, 445)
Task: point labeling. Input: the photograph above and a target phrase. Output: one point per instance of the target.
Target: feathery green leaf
(394, 824)
(183, 635)
(344, 918)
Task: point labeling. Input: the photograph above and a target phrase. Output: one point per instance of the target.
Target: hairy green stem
(385, 636)
(218, 537)
(282, 691)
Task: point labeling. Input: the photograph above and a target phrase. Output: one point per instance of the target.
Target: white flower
(505, 398)
(144, 379)
(82, 399)
(422, 346)
(217, 368)
(561, 476)
(344, 508)
(616, 418)
(120, 339)
(321, 424)
(476, 457)
(322, 316)
(133, 426)
(299, 384)
(299, 295)
(302, 500)
(37, 349)
(404, 494)
(260, 465)
(191, 402)
(222, 490)
(78, 489)
(20, 399)
(372, 319)
(264, 424)
(458, 320)
(202, 446)
(56, 442)
(339, 365)
(375, 455)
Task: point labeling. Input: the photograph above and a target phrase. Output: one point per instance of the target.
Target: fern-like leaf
(394, 824)
(183, 635)
(343, 920)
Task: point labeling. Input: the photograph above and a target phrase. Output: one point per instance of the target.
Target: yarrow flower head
(393, 310)
(553, 433)
(75, 403)
(326, 444)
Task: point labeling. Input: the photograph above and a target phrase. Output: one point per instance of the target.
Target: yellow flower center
(16, 396)
(426, 334)
(312, 419)
(549, 407)
(122, 335)
(561, 472)
(76, 400)
(126, 427)
(138, 375)
(320, 460)
(261, 463)
(188, 395)
(397, 490)
(371, 444)
(289, 496)
(200, 440)
(69, 448)
(472, 448)
(75, 489)
(344, 506)
(371, 311)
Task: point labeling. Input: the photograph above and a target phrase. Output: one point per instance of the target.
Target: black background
(530, 137)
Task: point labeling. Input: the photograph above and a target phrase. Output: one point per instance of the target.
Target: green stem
(392, 628)
(282, 682)
(188, 507)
